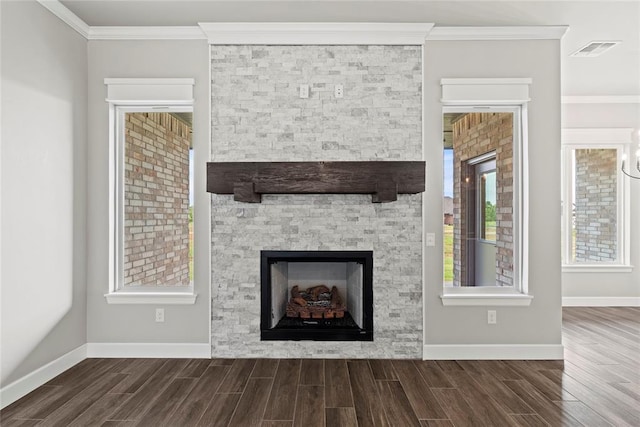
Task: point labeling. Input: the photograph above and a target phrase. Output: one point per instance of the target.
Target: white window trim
(612, 138)
(485, 296)
(155, 295)
(498, 95)
(140, 95)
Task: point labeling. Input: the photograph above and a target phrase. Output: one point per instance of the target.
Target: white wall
(539, 323)
(622, 286)
(44, 135)
(136, 323)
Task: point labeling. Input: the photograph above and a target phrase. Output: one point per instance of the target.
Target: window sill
(152, 296)
(485, 296)
(594, 268)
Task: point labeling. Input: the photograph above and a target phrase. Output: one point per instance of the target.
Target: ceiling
(615, 73)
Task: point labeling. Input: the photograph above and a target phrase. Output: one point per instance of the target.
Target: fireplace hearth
(316, 295)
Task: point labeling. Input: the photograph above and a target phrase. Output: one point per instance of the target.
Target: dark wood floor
(598, 384)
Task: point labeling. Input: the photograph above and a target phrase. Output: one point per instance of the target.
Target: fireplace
(316, 295)
(379, 121)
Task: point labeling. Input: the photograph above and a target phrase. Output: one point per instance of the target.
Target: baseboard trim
(40, 376)
(150, 350)
(494, 352)
(601, 301)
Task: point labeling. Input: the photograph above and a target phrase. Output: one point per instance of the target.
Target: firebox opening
(317, 295)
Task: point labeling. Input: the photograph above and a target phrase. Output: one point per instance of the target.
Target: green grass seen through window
(448, 253)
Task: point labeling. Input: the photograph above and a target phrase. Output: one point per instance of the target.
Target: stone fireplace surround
(258, 116)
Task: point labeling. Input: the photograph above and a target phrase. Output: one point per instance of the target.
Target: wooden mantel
(384, 180)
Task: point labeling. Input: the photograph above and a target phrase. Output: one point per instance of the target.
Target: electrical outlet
(159, 314)
(304, 91)
(339, 91)
(492, 317)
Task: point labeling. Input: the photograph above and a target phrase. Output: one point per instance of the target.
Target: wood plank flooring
(598, 384)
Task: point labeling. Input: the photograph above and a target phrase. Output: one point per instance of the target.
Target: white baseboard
(601, 301)
(494, 352)
(150, 350)
(40, 376)
(35, 379)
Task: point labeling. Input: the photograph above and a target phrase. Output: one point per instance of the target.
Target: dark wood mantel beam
(383, 179)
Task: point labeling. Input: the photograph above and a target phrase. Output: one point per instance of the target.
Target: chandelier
(635, 138)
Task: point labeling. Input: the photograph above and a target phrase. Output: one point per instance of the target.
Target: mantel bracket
(386, 191)
(245, 192)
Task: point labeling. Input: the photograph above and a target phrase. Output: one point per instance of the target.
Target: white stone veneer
(258, 116)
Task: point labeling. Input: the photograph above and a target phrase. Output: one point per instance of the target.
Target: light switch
(492, 317)
(431, 239)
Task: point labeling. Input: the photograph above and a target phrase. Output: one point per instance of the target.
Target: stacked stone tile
(257, 115)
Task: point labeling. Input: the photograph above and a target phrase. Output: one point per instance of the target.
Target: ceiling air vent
(594, 48)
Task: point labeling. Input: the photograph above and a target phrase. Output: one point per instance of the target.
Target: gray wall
(607, 284)
(539, 323)
(135, 323)
(44, 137)
(50, 83)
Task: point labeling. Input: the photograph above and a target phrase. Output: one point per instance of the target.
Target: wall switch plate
(159, 314)
(492, 317)
(431, 239)
(304, 91)
(339, 91)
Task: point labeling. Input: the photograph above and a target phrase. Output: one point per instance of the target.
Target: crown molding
(121, 33)
(68, 17)
(622, 99)
(316, 33)
(146, 33)
(555, 32)
(306, 33)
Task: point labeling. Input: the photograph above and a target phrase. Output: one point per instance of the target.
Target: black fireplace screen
(316, 295)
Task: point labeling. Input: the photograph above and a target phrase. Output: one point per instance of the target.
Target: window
(157, 198)
(484, 224)
(152, 191)
(482, 198)
(485, 177)
(595, 200)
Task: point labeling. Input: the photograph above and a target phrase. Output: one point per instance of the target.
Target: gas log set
(316, 302)
(316, 295)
